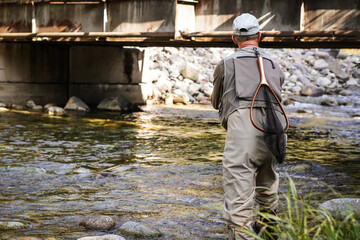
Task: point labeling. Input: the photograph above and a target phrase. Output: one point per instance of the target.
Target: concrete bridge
(53, 49)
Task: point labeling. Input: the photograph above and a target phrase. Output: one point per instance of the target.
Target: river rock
(342, 55)
(313, 91)
(169, 100)
(138, 230)
(288, 101)
(301, 68)
(171, 50)
(76, 104)
(194, 89)
(17, 106)
(345, 92)
(323, 81)
(296, 55)
(163, 85)
(103, 237)
(355, 73)
(353, 82)
(30, 104)
(54, 110)
(4, 226)
(174, 71)
(118, 104)
(304, 80)
(341, 205)
(98, 223)
(320, 64)
(47, 106)
(328, 101)
(180, 97)
(190, 71)
(322, 54)
(300, 168)
(334, 67)
(304, 111)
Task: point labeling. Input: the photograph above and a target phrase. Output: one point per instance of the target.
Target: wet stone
(300, 168)
(311, 90)
(329, 101)
(138, 230)
(118, 104)
(11, 226)
(76, 104)
(103, 237)
(303, 111)
(98, 223)
(54, 110)
(341, 205)
(288, 101)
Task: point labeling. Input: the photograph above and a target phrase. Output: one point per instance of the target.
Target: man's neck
(250, 43)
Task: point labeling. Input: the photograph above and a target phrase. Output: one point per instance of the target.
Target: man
(248, 163)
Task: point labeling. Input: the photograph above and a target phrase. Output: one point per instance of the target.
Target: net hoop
(263, 81)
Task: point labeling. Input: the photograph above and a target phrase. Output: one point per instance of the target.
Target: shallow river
(161, 167)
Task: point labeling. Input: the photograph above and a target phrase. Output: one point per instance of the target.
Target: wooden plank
(324, 15)
(141, 16)
(15, 18)
(69, 18)
(218, 15)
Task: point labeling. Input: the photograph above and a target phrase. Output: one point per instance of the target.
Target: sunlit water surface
(160, 167)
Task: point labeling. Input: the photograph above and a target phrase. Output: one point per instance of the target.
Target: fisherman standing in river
(247, 94)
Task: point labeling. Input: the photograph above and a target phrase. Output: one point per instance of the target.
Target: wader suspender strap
(263, 81)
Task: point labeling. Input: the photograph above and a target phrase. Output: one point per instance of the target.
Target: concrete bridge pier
(51, 73)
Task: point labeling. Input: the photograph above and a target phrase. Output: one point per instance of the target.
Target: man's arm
(218, 85)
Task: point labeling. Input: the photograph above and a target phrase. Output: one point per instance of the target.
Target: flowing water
(160, 167)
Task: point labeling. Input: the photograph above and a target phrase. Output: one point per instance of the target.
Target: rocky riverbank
(184, 75)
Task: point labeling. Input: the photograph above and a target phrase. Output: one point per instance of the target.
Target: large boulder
(138, 230)
(98, 222)
(341, 205)
(76, 104)
(118, 104)
(335, 67)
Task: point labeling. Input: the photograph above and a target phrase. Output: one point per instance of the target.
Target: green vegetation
(357, 64)
(299, 220)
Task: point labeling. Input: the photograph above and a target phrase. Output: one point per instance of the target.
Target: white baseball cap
(246, 25)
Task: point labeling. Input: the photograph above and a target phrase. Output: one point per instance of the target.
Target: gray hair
(241, 38)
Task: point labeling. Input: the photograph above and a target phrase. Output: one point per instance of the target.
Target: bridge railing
(284, 23)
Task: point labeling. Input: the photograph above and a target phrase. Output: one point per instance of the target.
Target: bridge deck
(284, 23)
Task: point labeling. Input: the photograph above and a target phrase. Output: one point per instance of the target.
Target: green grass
(298, 220)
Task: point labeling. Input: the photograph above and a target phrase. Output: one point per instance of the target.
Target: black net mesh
(275, 137)
(270, 118)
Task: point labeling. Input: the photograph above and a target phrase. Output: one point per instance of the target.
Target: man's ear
(233, 38)
(259, 36)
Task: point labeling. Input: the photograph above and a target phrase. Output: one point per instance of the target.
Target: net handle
(263, 81)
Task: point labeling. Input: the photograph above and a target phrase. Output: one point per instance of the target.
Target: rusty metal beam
(299, 39)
